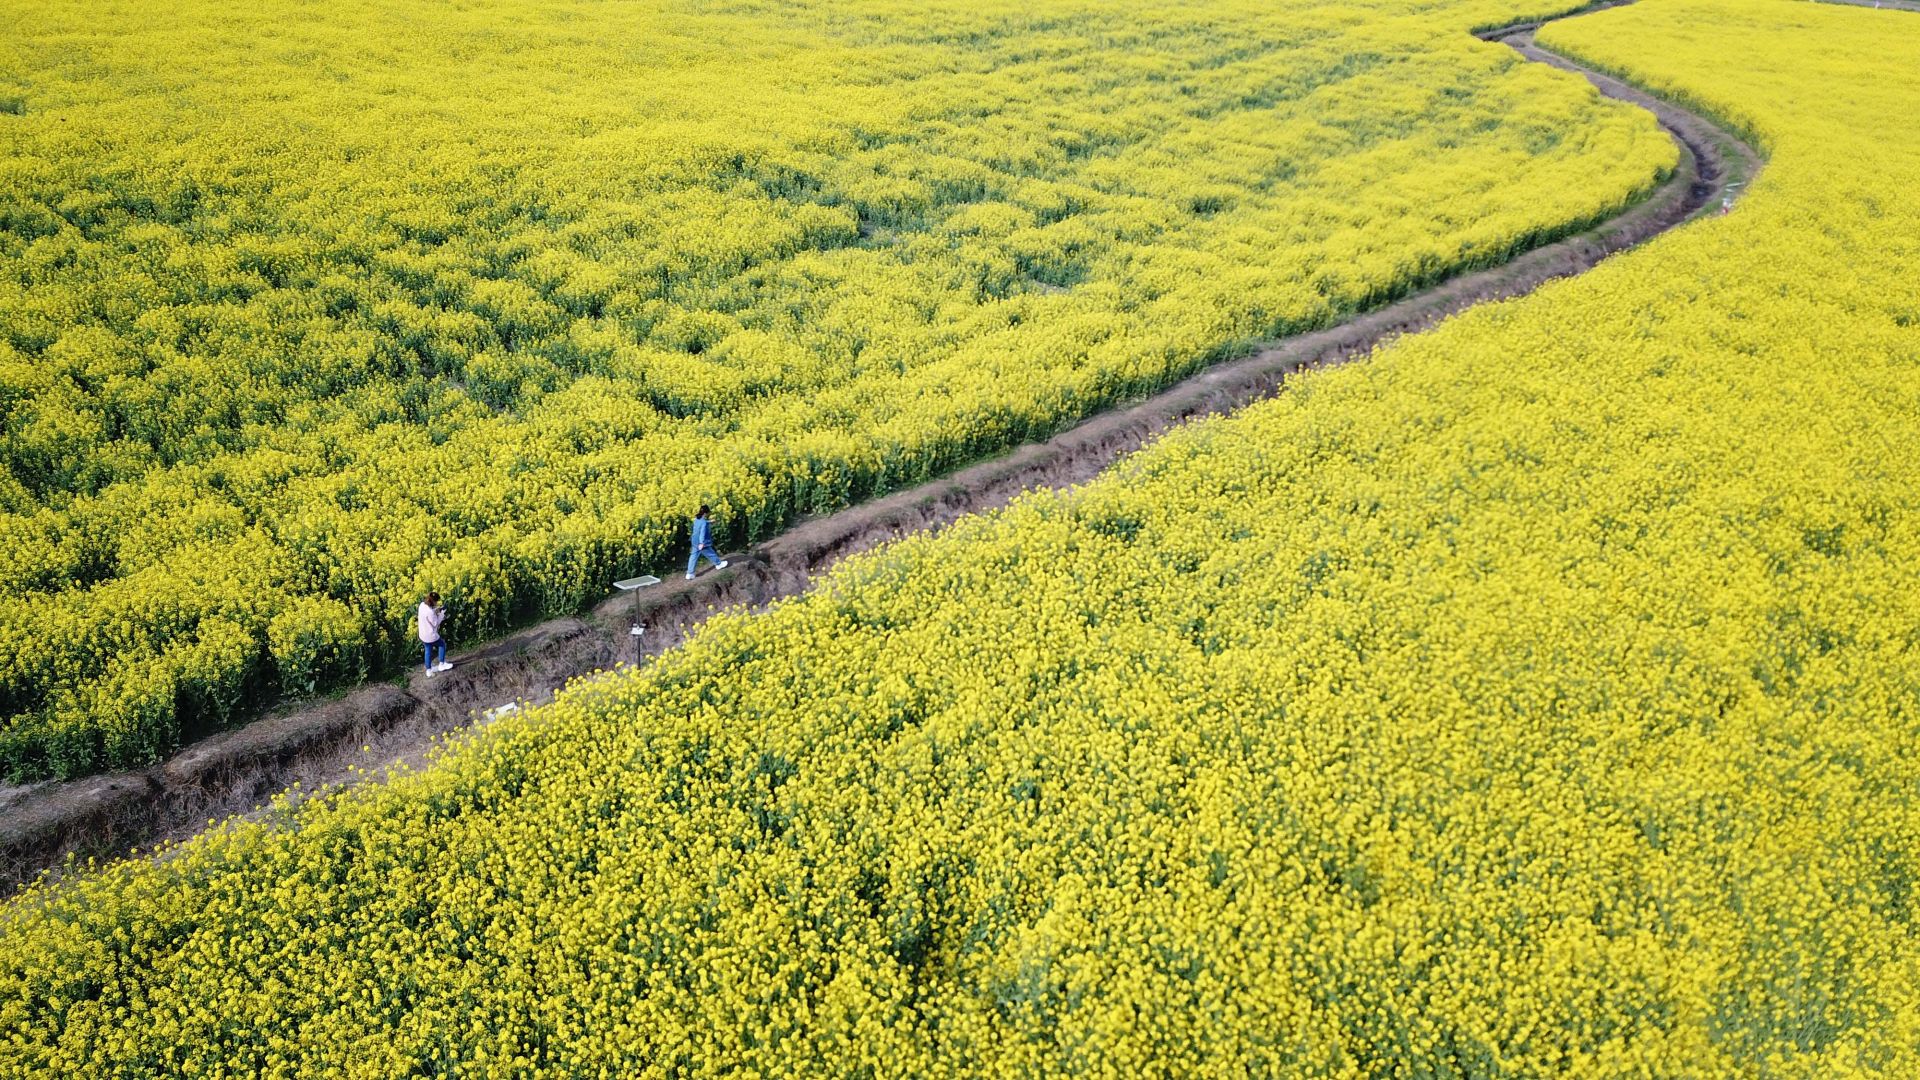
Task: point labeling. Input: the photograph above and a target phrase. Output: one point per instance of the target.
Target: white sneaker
(689, 575)
(429, 673)
(443, 666)
(722, 566)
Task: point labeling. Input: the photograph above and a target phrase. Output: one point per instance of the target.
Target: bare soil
(1890, 5)
(372, 729)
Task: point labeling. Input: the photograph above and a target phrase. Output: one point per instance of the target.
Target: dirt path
(1885, 5)
(348, 740)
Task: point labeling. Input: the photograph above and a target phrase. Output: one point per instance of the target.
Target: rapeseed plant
(306, 313)
(1538, 697)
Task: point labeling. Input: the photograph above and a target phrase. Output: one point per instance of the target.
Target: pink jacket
(430, 620)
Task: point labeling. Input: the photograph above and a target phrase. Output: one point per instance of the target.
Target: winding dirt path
(1885, 5)
(367, 731)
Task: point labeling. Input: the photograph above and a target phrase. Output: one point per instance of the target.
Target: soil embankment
(335, 742)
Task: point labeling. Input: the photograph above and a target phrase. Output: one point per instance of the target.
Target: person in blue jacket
(703, 544)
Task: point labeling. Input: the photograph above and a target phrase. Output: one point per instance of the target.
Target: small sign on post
(634, 585)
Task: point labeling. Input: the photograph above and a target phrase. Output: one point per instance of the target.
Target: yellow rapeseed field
(307, 309)
(1538, 698)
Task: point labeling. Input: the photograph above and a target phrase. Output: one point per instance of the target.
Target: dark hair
(433, 598)
(703, 511)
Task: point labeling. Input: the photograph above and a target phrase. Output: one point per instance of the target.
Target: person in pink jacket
(432, 615)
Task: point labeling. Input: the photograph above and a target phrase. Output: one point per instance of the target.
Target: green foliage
(316, 643)
(219, 674)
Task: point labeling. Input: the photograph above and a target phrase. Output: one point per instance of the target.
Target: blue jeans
(693, 560)
(436, 652)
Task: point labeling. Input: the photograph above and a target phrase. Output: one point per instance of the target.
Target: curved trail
(319, 745)
(1884, 5)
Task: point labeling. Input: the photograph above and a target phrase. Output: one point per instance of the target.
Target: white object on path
(634, 585)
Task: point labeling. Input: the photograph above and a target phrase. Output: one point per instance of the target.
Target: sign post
(634, 585)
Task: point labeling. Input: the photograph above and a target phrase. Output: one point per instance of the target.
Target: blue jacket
(702, 531)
